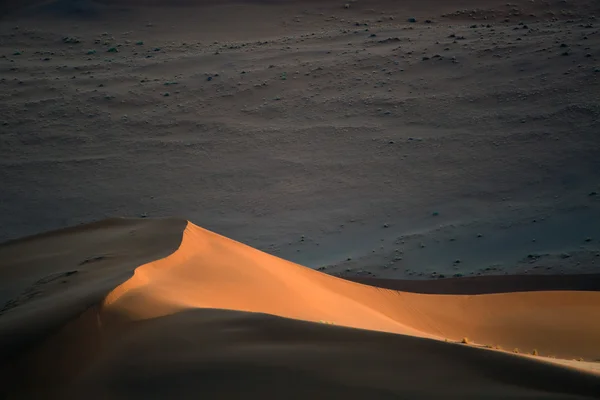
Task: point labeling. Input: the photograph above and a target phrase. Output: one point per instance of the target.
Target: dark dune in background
(89, 8)
(489, 284)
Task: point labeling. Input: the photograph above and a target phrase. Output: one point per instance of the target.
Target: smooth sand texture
(158, 335)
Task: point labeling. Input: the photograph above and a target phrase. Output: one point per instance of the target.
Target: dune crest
(203, 308)
(211, 271)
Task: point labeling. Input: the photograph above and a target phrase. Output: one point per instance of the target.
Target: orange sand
(162, 323)
(211, 271)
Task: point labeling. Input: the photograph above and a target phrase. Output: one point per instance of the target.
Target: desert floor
(305, 128)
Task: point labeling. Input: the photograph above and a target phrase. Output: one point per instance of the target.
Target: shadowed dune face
(49, 279)
(231, 355)
(167, 331)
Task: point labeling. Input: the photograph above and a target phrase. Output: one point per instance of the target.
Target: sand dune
(47, 280)
(159, 332)
(388, 139)
(209, 271)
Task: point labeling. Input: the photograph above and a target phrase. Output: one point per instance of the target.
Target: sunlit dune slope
(210, 271)
(193, 317)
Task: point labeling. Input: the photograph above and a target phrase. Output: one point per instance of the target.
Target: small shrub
(112, 50)
(70, 40)
(90, 52)
(516, 350)
(535, 353)
(140, 43)
(465, 340)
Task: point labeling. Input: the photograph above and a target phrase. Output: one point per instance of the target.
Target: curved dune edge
(208, 306)
(49, 279)
(211, 271)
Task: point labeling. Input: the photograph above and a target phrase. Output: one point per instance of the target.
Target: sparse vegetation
(70, 40)
(535, 352)
(112, 50)
(465, 340)
(516, 350)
